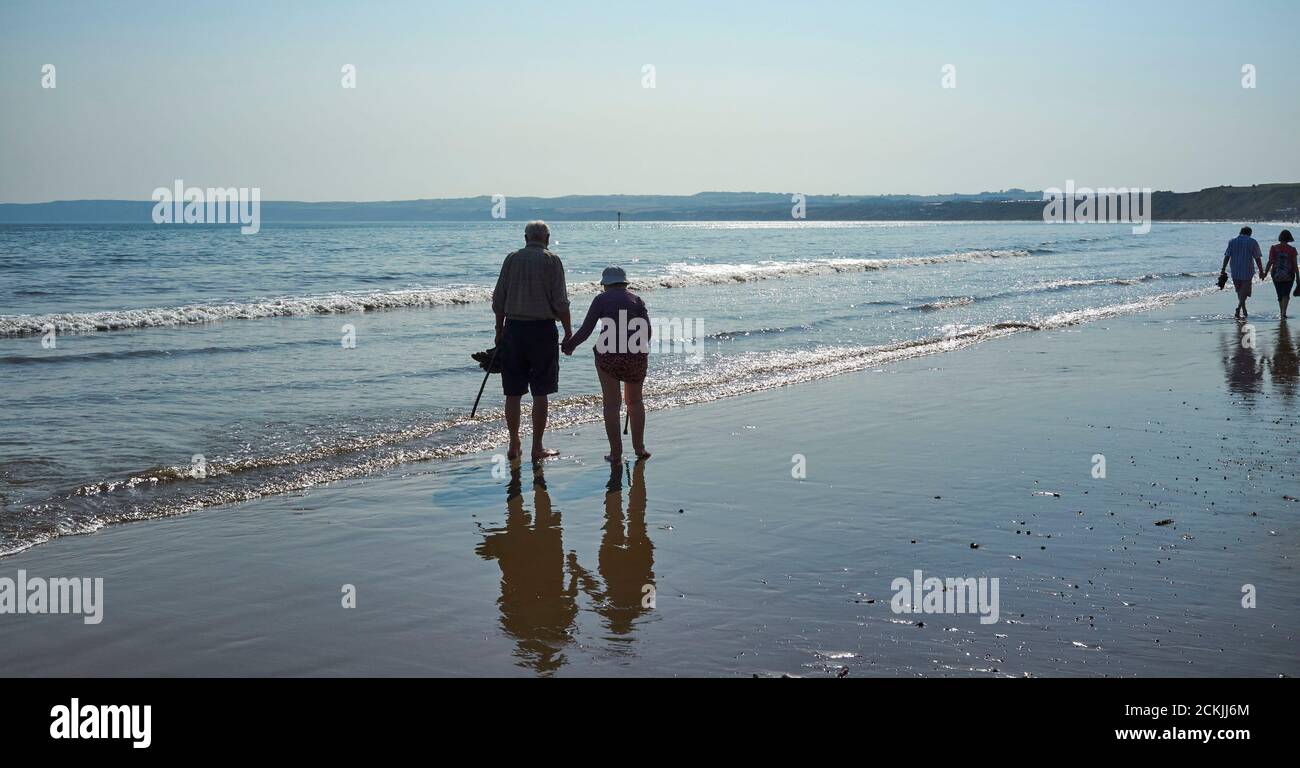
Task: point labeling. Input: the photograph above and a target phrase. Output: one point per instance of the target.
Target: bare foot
(613, 458)
(515, 450)
(642, 453)
(541, 454)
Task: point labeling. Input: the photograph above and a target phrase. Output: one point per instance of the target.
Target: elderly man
(1243, 255)
(530, 296)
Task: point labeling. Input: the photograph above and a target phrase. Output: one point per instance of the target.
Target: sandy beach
(975, 463)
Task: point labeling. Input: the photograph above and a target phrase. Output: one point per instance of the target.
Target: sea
(155, 370)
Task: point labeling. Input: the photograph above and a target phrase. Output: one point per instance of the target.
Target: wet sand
(974, 463)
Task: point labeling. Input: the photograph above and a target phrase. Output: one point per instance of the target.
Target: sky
(457, 99)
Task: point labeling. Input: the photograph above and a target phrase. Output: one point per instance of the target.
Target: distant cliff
(1261, 202)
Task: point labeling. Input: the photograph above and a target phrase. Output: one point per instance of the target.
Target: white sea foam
(677, 276)
(193, 314)
(1054, 285)
(685, 275)
(957, 301)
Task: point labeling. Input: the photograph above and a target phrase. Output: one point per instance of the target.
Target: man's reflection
(1244, 370)
(538, 607)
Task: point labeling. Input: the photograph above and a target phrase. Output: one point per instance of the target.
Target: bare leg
(636, 413)
(609, 399)
(539, 429)
(1283, 302)
(512, 423)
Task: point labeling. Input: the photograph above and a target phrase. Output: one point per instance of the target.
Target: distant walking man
(530, 296)
(1244, 256)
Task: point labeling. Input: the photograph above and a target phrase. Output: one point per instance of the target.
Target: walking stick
(486, 374)
(625, 421)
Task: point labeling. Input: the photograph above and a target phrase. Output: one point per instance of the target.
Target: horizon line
(1008, 190)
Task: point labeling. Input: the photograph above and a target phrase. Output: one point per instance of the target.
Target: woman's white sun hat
(613, 276)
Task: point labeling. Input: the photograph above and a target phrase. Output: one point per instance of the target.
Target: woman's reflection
(1284, 364)
(625, 590)
(626, 559)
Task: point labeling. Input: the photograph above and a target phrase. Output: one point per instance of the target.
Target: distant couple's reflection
(540, 584)
(1247, 357)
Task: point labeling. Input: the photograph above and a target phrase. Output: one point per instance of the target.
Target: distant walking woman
(622, 354)
(1282, 266)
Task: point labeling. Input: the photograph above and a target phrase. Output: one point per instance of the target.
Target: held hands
(566, 346)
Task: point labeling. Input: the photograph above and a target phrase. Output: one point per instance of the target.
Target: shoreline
(257, 478)
(761, 572)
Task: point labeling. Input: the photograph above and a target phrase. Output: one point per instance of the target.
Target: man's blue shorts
(530, 357)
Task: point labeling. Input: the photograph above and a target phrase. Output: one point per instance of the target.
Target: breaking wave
(1053, 285)
(677, 276)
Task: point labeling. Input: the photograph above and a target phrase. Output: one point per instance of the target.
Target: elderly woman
(622, 356)
(1282, 266)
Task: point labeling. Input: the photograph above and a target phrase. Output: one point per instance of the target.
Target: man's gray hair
(537, 232)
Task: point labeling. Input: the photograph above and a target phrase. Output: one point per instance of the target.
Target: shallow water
(462, 569)
(177, 342)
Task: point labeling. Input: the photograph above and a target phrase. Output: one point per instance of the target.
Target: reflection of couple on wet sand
(530, 297)
(1245, 369)
(540, 584)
